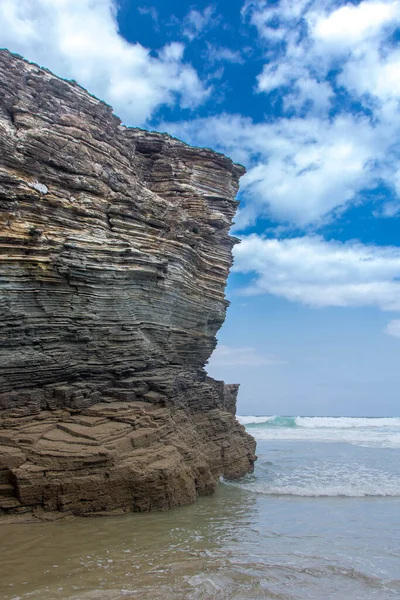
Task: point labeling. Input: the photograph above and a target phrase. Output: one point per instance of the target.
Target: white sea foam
(324, 477)
(321, 491)
(379, 439)
(330, 422)
(347, 422)
(372, 432)
(246, 420)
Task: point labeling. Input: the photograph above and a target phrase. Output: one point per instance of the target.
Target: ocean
(318, 519)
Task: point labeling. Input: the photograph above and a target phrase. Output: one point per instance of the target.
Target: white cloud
(389, 210)
(220, 53)
(320, 273)
(224, 356)
(298, 169)
(310, 163)
(303, 89)
(393, 328)
(151, 11)
(79, 39)
(317, 94)
(316, 34)
(275, 21)
(274, 76)
(351, 24)
(196, 22)
(377, 76)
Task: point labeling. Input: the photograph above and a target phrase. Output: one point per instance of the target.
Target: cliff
(114, 255)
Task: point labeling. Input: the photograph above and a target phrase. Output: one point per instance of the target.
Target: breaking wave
(312, 422)
(374, 432)
(389, 489)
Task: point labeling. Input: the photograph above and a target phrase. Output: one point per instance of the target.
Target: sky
(305, 94)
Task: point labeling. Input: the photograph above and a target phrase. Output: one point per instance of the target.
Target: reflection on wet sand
(157, 555)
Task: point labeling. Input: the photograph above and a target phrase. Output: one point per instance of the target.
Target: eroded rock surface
(114, 255)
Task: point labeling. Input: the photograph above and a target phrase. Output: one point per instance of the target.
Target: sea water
(319, 519)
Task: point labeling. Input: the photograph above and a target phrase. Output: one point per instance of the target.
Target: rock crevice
(114, 256)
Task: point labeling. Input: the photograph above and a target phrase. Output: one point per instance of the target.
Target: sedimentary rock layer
(114, 255)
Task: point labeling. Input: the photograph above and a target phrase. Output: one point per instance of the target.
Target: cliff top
(71, 90)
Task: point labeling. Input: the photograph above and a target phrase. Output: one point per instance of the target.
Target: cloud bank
(320, 273)
(331, 89)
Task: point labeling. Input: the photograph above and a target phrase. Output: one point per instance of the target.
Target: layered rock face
(114, 255)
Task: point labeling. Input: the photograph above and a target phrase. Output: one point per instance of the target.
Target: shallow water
(318, 519)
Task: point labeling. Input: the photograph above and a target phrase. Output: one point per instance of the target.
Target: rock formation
(114, 255)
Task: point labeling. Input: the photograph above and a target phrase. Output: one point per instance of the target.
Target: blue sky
(306, 95)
